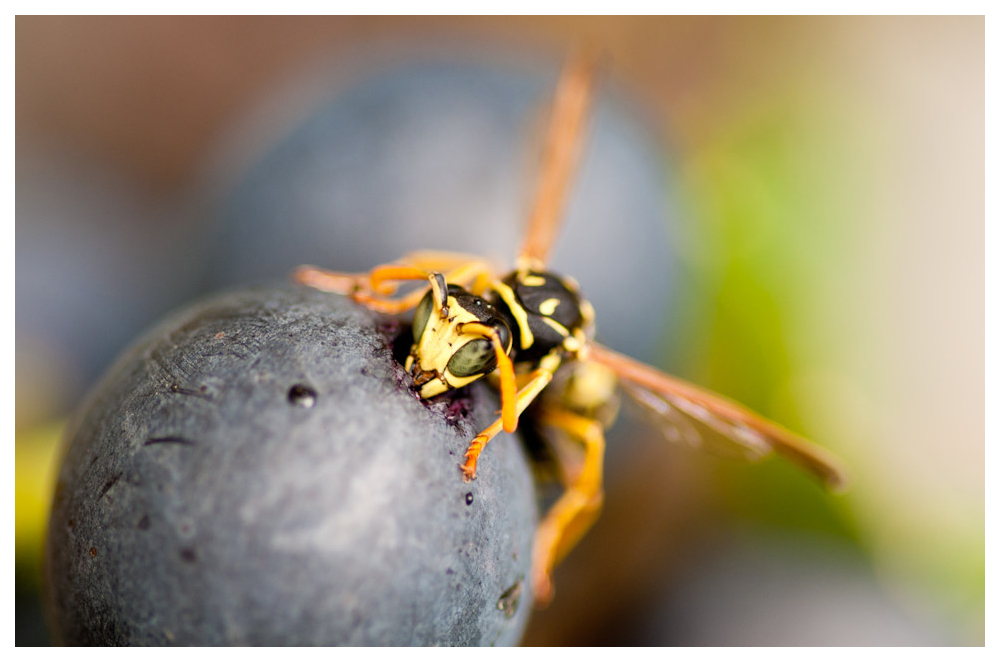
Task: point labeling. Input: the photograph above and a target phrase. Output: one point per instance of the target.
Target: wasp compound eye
(476, 357)
(422, 314)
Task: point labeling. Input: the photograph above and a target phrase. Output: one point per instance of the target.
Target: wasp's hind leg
(578, 507)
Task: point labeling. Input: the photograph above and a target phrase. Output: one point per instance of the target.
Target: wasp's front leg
(372, 290)
(537, 381)
(375, 289)
(334, 282)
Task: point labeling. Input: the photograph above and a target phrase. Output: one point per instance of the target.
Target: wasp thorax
(453, 340)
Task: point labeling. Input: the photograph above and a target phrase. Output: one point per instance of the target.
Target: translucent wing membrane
(683, 422)
(559, 159)
(696, 417)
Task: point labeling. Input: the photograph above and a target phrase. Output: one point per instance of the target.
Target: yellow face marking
(447, 382)
(442, 337)
(519, 313)
(533, 281)
(548, 306)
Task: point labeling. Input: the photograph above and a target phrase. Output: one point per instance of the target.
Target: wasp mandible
(534, 329)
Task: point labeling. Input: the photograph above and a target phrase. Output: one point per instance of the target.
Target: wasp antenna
(439, 290)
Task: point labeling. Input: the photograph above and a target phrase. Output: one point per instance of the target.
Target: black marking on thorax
(542, 298)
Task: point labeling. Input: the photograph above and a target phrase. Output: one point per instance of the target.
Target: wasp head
(456, 339)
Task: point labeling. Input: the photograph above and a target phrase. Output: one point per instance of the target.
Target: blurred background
(787, 210)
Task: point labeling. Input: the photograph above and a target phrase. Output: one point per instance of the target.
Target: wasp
(533, 331)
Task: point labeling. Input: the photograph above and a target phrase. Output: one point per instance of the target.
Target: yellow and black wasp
(535, 330)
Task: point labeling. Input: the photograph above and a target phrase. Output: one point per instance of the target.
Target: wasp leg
(538, 380)
(330, 281)
(364, 288)
(384, 279)
(440, 260)
(390, 306)
(469, 271)
(381, 280)
(374, 289)
(578, 507)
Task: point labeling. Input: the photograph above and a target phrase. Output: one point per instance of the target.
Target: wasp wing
(559, 159)
(701, 418)
(686, 423)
